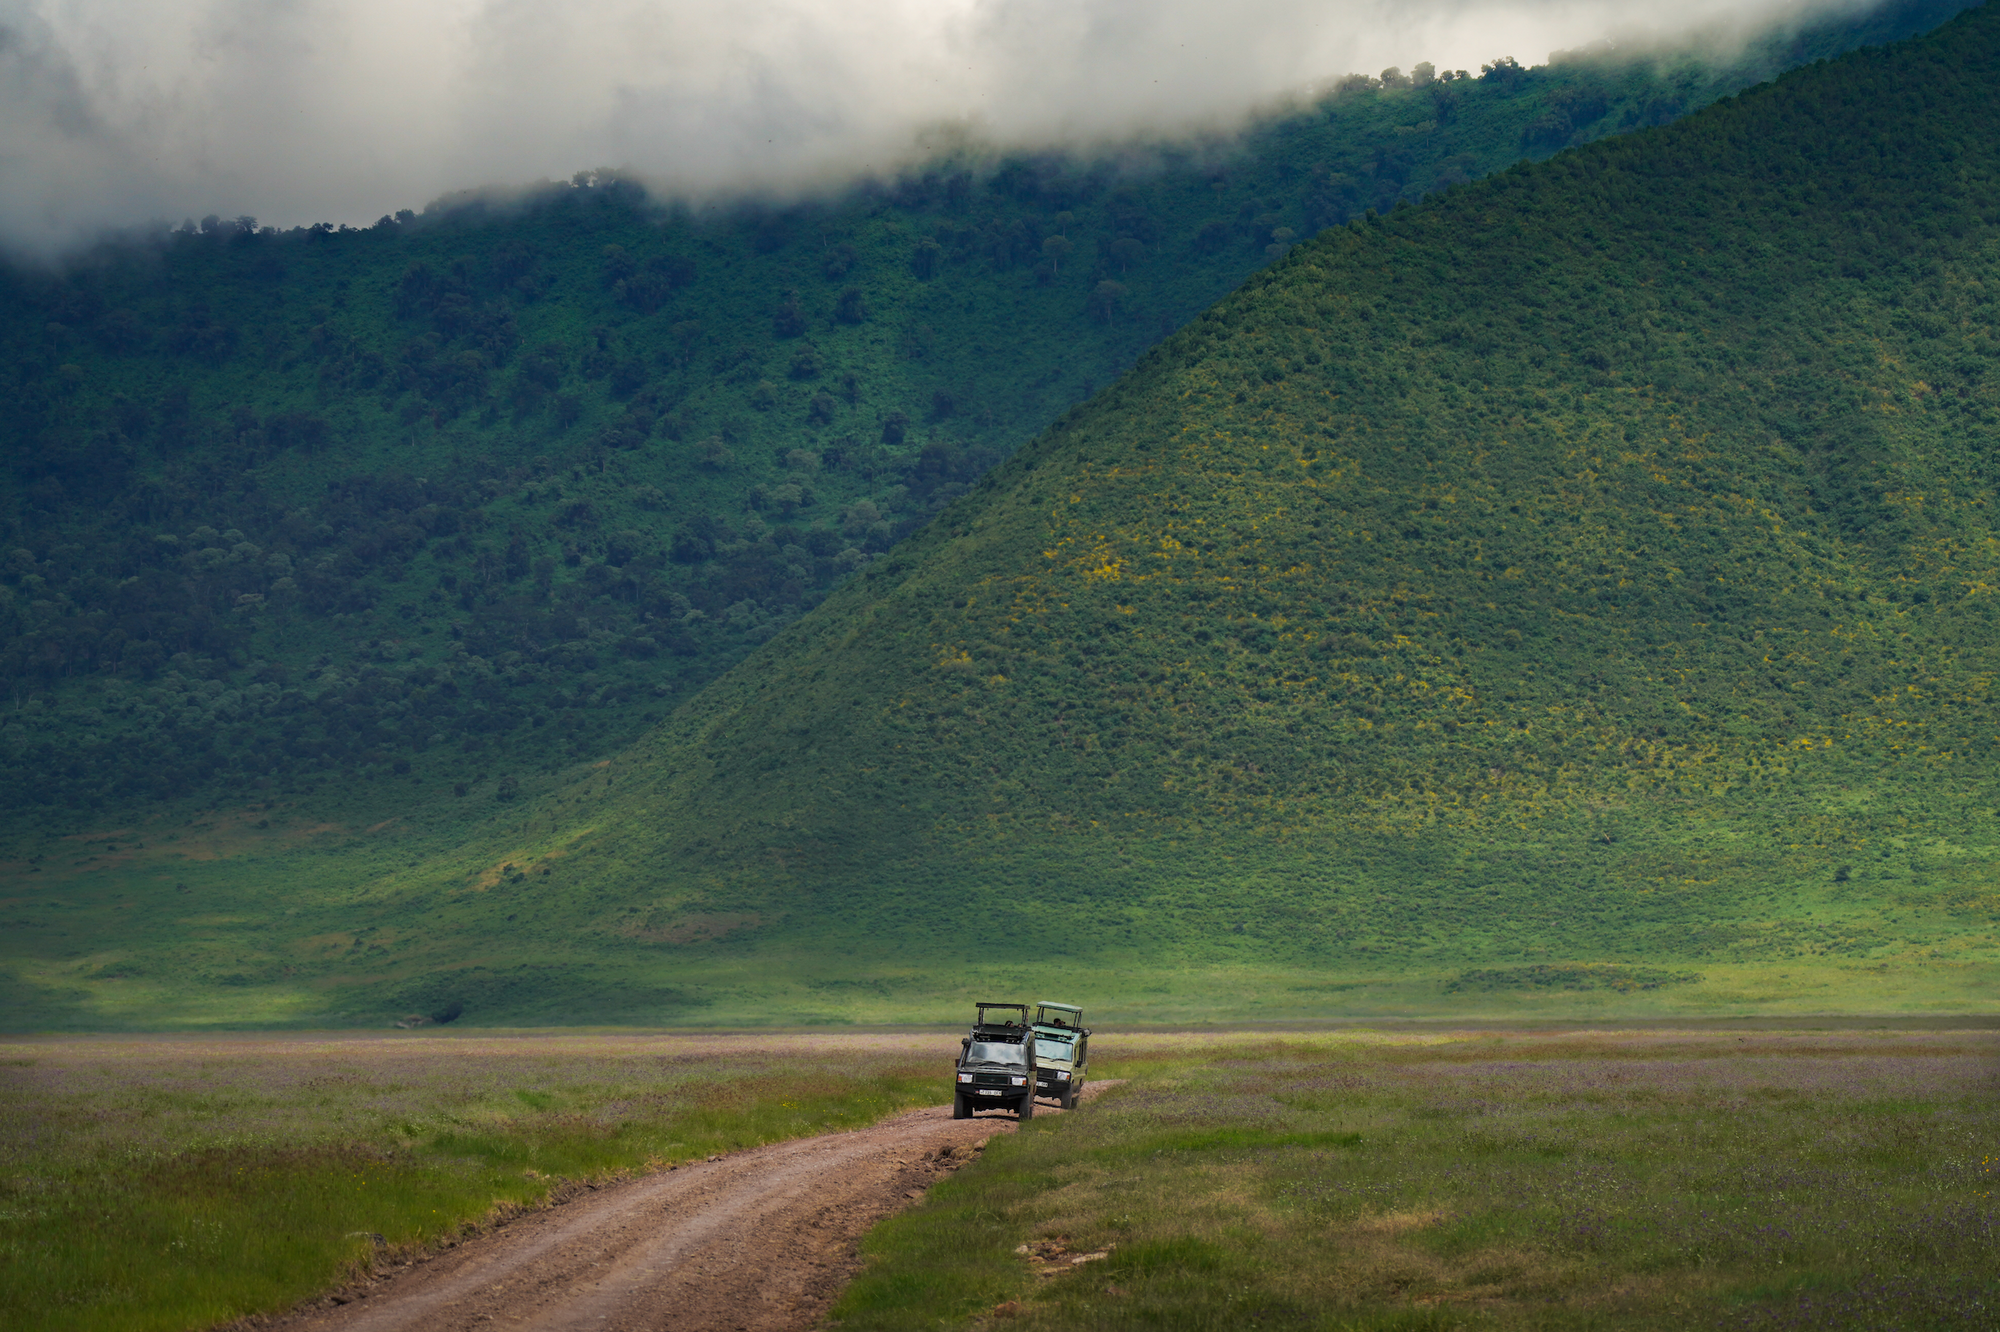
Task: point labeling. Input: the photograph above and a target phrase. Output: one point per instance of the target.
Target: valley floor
(1606, 1178)
(185, 1182)
(1837, 1174)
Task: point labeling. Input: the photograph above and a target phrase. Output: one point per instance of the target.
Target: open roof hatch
(1008, 1015)
(1050, 1014)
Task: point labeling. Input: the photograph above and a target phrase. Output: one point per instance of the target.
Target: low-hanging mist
(115, 113)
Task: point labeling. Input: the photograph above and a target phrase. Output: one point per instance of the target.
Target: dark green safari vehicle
(996, 1064)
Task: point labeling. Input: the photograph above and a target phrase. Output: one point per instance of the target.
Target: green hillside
(1592, 567)
(1572, 593)
(494, 488)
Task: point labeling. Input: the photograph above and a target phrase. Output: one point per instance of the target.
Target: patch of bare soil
(758, 1241)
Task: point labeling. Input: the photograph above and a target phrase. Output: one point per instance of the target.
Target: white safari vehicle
(1062, 1052)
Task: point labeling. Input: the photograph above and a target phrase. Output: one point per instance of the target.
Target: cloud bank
(116, 113)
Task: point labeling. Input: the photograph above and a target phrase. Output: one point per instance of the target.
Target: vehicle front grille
(991, 1080)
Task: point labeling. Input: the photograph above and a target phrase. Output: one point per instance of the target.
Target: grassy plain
(1369, 1180)
(178, 1183)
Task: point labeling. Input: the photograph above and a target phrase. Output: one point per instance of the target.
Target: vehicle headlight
(1020, 1082)
(965, 1077)
(1062, 1075)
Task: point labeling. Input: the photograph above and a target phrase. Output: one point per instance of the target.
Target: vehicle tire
(959, 1109)
(1027, 1110)
(1068, 1099)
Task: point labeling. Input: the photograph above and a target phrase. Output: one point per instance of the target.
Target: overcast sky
(121, 112)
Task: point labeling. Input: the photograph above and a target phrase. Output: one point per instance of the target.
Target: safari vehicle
(1062, 1052)
(996, 1063)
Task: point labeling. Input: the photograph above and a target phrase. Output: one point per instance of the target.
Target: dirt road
(760, 1240)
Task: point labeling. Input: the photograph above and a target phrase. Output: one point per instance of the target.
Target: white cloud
(118, 112)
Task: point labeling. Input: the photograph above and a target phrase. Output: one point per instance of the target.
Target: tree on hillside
(838, 261)
(618, 265)
(790, 319)
(1569, 111)
(1106, 300)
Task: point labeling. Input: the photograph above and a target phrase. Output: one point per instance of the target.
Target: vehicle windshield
(996, 1052)
(1053, 1047)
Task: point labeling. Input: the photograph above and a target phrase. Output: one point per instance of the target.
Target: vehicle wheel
(959, 1109)
(1027, 1110)
(1068, 1099)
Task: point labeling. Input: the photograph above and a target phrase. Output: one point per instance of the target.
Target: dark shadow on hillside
(536, 996)
(27, 1007)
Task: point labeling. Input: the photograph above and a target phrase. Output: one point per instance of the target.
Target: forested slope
(1573, 589)
(484, 491)
(1584, 577)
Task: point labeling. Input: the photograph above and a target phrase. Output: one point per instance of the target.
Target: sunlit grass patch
(1647, 1181)
(179, 1184)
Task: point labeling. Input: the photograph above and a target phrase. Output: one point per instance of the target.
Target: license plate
(989, 1091)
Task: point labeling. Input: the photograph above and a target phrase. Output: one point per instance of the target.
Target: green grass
(1798, 1179)
(179, 1184)
(342, 929)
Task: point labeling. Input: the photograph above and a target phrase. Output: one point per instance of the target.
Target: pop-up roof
(1058, 1015)
(1004, 1010)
